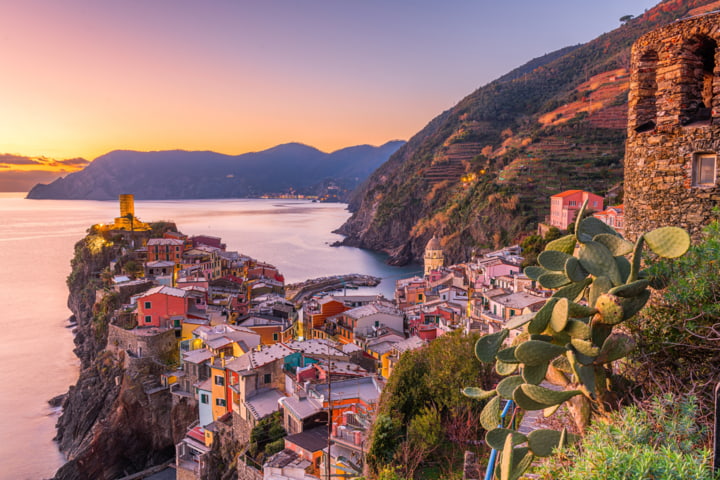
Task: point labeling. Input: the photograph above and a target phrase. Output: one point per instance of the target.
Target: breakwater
(299, 292)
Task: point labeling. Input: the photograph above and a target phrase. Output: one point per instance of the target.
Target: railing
(493, 454)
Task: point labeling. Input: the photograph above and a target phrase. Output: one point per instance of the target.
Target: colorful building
(613, 216)
(564, 206)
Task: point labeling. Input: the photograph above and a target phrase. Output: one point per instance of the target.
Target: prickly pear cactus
(570, 341)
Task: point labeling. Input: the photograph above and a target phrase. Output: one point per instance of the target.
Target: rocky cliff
(479, 175)
(114, 421)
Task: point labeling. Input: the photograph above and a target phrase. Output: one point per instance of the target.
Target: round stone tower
(434, 257)
(671, 156)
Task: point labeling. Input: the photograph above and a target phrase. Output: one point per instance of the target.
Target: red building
(162, 306)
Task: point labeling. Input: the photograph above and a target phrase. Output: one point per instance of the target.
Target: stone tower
(671, 156)
(434, 257)
(127, 205)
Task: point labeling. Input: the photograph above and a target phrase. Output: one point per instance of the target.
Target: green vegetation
(660, 439)
(267, 438)
(678, 337)
(572, 341)
(423, 419)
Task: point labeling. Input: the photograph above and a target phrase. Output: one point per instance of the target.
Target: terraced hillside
(479, 175)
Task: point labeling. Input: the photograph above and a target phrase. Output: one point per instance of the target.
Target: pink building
(564, 206)
(613, 216)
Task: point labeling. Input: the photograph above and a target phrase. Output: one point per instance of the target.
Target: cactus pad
(553, 260)
(540, 321)
(536, 352)
(496, 437)
(630, 289)
(590, 227)
(519, 320)
(559, 316)
(618, 246)
(609, 308)
(615, 347)
(490, 415)
(487, 346)
(504, 369)
(597, 259)
(477, 393)
(574, 291)
(633, 305)
(507, 355)
(507, 386)
(577, 329)
(553, 280)
(534, 374)
(547, 396)
(533, 272)
(574, 271)
(564, 244)
(668, 242)
(585, 347)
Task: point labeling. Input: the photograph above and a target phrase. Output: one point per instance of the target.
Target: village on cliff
(296, 371)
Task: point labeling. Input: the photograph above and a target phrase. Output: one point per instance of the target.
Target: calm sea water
(36, 245)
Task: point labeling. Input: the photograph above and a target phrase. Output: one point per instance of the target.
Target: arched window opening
(646, 107)
(700, 75)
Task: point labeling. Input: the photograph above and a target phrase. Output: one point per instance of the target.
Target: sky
(80, 78)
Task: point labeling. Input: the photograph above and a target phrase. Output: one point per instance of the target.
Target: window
(275, 337)
(220, 402)
(148, 305)
(704, 169)
(219, 380)
(646, 104)
(267, 378)
(572, 203)
(204, 398)
(148, 318)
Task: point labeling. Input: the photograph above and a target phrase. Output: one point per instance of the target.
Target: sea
(36, 245)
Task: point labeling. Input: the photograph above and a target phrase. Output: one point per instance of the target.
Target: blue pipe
(493, 454)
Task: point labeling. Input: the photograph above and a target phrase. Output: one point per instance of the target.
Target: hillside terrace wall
(674, 115)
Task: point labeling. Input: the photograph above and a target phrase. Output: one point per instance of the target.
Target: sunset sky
(84, 77)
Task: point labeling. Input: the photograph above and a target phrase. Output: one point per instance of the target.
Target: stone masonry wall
(674, 114)
(141, 345)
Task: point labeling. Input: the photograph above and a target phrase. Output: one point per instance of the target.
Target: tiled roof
(165, 241)
(566, 193)
(165, 290)
(312, 440)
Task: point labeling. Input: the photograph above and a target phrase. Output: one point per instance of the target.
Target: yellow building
(434, 257)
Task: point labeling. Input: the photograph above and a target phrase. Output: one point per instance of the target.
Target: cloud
(10, 159)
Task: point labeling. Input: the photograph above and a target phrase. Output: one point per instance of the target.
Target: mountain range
(480, 174)
(178, 174)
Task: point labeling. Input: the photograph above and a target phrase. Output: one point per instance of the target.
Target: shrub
(658, 440)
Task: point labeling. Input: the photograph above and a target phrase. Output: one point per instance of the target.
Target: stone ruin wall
(674, 114)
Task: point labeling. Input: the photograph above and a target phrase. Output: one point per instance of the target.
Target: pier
(299, 292)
